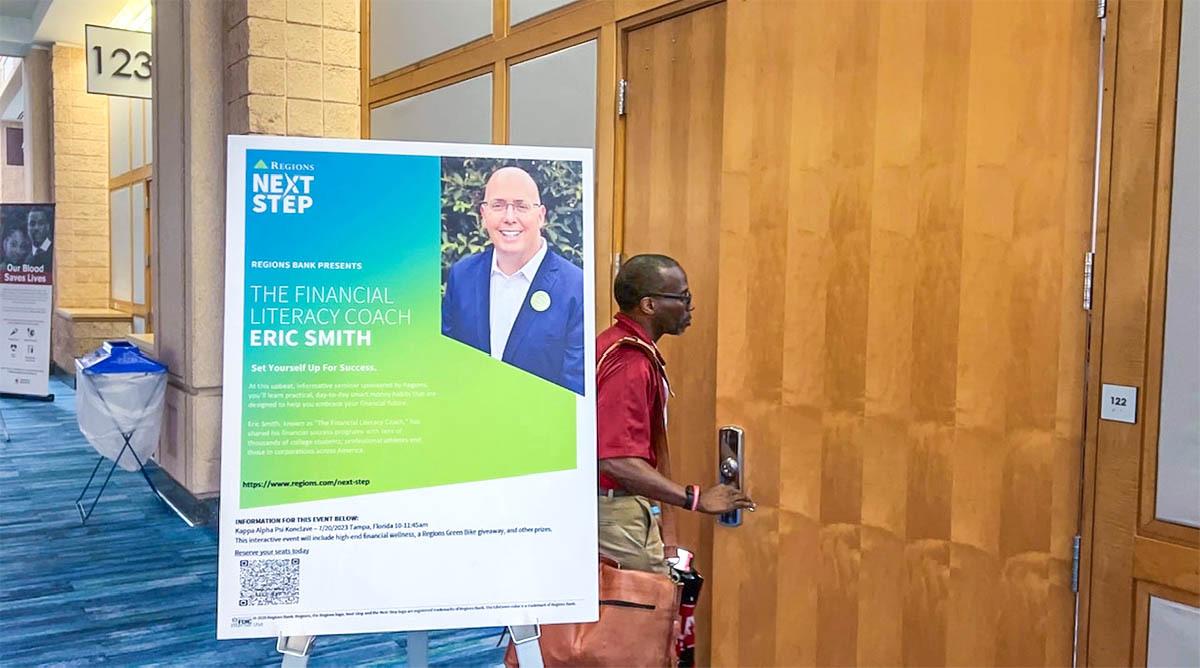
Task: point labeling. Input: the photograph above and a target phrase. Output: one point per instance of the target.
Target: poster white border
(583, 607)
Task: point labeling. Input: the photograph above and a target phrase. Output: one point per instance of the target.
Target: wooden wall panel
(906, 204)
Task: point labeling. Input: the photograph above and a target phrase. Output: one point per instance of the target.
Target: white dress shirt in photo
(507, 296)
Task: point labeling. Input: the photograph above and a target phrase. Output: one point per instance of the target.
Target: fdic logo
(281, 189)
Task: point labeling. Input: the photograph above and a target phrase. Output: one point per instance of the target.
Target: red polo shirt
(630, 398)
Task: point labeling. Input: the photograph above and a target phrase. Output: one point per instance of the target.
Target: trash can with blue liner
(119, 399)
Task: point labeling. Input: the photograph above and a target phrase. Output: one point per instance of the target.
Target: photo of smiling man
(516, 297)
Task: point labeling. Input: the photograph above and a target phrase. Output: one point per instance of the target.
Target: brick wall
(80, 184)
(292, 67)
(77, 331)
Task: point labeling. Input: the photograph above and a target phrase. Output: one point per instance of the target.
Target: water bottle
(685, 573)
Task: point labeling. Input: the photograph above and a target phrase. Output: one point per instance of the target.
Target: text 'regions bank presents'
(408, 425)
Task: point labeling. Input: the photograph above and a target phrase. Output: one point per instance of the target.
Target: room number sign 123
(123, 58)
(120, 62)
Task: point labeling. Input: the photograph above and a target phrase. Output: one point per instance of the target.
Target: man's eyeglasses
(685, 297)
(501, 205)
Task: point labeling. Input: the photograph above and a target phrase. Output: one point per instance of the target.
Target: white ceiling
(22, 9)
(24, 23)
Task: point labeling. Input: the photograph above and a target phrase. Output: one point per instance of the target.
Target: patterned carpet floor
(135, 586)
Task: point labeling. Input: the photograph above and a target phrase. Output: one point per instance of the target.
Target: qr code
(269, 581)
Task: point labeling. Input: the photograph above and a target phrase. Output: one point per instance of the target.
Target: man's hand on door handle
(722, 499)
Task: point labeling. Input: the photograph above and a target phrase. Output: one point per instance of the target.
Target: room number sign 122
(1118, 403)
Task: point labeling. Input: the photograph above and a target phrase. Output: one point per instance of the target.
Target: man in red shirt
(631, 416)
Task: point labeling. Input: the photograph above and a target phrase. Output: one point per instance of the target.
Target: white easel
(297, 649)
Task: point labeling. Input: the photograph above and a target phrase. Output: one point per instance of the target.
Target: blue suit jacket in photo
(546, 343)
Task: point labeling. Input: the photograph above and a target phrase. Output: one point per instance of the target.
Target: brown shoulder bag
(639, 611)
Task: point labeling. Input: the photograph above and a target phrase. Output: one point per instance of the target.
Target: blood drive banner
(408, 426)
(26, 296)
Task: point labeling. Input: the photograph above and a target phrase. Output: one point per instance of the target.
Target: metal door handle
(731, 466)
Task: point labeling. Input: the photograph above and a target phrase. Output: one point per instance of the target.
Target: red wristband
(695, 497)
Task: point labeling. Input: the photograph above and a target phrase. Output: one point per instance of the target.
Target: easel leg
(295, 650)
(529, 648)
(417, 647)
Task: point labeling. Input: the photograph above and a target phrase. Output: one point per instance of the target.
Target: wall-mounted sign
(118, 62)
(1118, 403)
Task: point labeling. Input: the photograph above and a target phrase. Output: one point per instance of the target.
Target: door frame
(1127, 554)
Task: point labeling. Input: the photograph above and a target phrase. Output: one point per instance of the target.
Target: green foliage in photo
(560, 183)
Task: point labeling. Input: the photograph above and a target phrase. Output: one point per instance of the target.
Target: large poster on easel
(408, 428)
(26, 297)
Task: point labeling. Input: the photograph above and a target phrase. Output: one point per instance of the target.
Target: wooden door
(672, 147)
(1135, 550)
(906, 206)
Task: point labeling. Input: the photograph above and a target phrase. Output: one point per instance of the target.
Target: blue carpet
(135, 586)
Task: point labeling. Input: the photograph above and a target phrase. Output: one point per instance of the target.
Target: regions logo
(282, 187)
